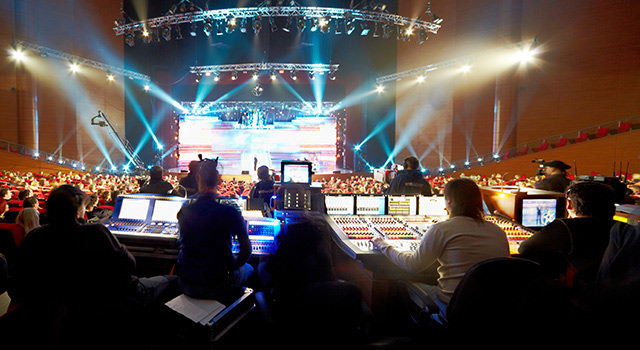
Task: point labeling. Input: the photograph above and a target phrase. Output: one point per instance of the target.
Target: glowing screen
(134, 209)
(370, 205)
(432, 206)
(166, 210)
(339, 205)
(296, 173)
(403, 205)
(538, 212)
(241, 148)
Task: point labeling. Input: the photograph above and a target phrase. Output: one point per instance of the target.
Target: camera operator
(556, 179)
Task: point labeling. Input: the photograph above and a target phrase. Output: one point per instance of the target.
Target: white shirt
(456, 244)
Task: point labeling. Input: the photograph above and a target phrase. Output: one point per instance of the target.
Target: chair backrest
(626, 126)
(583, 136)
(562, 142)
(602, 132)
(502, 291)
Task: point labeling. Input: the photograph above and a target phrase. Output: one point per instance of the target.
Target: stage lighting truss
(458, 61)
(321, 18)
(79, 61)
(272, 68)
(304, 108)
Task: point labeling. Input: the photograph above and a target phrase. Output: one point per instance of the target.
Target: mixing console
(262, 234)
(154, 228)
(515, 233)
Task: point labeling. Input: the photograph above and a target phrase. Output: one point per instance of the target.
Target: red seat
(524, 151)
(623, 127)
(542, 147)
(16, 230)
(15, 203)
(602, 132)
(583, 136)
(110, 207)
(562, 142)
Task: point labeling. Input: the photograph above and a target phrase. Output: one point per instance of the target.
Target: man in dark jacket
(556, 179)
(410, 180)
(156, 183)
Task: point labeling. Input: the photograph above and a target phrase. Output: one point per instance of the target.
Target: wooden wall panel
(584, 75)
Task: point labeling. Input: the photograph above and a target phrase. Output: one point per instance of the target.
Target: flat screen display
(134, 209)
(538, 212)
(166, 210)
(403, 205)
(370, 205)
(296, 173)
(432, 206)
(339, 205)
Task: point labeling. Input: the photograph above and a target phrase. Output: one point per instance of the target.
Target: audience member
(156, 184)
(556, 179)
(24, 194)
(189, 182)
(31, 202)
(410, 180)
(207, 267)
(4, 209)
(5, 194)
(264, 189)
(28, 218)
(458, 243)
(582, 237)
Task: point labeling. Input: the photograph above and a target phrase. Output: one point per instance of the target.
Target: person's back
(156, 183)
(265, 187)
(410, 180)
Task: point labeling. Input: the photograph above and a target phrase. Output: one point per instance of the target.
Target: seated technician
(207, 267)
(156, 184)
(265, 187)
(457, 244)
(583, 236)
(556, 179)
(189, 182)
(410, 180)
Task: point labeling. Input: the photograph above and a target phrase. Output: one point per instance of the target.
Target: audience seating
(543, 146)
(561, 142)
(583, 136)
(624, 127)
(602, 132)
(524, 151)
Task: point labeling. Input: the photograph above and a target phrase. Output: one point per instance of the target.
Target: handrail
(549, 142)
(59, 160)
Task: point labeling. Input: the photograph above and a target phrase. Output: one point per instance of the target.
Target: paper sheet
(197, 310)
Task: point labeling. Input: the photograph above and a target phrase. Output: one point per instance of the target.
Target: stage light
(365, 29)
(159, 147)
(255, 74)
(145, 32)
(452, 166)
(220, 30)
(234, 75)
(110, 76)
(129, 39)
(166, 33)
(356, 147)
(193, 29)
(422, 78)
(207, 74)
(525, 56)
(36, 155)
(350, 25)
(408, 31)
(467, 163)
(325, 24)
(293, 75)
(257, 24)
(243, 25)
(198, 77)
(496, 156)
(146, 36)
(466, 68)
(273, 25)
(97, 168)
(74, 67)
(380, 88)
(422, 36)
(146, 87)
(216, 76)
(273, 74)
(332, 75)
(302, 24)
(386, 30)
(436, 19)
(178, 33)
(287, 26)
(315, 23)
(208, 27)
(17, 55)
(376, 30)
(82, 168)
(312, 75)
(479, 160)
(231, 24)
(441, 169)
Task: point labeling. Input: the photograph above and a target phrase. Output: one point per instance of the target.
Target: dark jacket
(409, 182)
(556, 183)
(157, 186)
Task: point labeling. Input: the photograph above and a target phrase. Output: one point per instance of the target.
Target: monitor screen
(538, 212)
(296, 173)
(403, 205)
(432, 206)
(339, 205)
(134, 209)
(370, 205)
(164, 210)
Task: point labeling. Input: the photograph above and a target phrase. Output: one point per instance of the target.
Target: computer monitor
(403, 205)
(538, 212)
(370, 205)
(432, 206)
(134, 209)
(296, 172)
(166, 210)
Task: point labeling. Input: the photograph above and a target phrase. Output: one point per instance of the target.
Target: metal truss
(281, 11)
(454, 61)
(45, 51)
(306, 107)
(240, 67)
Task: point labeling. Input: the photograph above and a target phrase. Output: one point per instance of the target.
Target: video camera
(540, 170)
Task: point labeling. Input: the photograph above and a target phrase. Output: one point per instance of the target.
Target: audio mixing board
(515, 233)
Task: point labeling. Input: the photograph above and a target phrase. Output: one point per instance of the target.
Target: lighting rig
(306, 108)
(272, 68)
(76, 61)
(366, 15)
